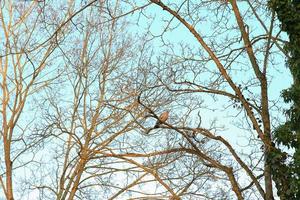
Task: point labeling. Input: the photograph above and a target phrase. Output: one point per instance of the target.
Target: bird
(162, 118)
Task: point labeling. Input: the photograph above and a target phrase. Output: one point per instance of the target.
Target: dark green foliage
(284, 135)
(286, 171)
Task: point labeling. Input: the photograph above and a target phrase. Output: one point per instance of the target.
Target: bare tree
(24, 63)
(90, 115)
(231, 72)
(30, 37)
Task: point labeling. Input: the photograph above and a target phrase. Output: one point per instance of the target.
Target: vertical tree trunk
(268, 178)
(8, 170)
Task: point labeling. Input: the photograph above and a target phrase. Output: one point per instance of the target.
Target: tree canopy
(149, 99)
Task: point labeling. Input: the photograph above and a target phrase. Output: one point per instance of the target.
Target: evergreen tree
(286, 171)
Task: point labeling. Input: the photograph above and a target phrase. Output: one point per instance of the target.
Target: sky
(180, 34)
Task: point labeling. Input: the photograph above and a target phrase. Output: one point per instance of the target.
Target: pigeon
(162, 118)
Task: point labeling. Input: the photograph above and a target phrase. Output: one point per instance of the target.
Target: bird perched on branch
(162, 118)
